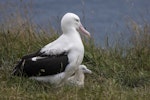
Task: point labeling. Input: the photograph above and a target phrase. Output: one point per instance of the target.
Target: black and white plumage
(58, 60)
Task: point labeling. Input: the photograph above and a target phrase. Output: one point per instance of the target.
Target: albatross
(58, 60)
(78, 78)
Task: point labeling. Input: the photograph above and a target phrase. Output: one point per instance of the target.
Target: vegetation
(119, 72)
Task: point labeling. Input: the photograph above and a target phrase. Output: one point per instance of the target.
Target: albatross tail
(17, 71)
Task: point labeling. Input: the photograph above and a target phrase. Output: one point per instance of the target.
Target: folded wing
(39, 64)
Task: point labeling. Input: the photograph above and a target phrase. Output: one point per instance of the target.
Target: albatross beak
(84, 31)
(88, 71)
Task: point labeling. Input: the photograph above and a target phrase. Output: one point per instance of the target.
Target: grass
(119, 72)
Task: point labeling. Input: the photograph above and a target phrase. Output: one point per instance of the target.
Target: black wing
(48, 65)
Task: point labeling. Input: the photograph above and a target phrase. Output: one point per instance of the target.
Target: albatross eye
(77, 20)
(84, 69)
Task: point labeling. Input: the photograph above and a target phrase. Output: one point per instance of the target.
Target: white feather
(78, 78)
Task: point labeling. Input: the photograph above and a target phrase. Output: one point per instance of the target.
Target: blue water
(100, 17)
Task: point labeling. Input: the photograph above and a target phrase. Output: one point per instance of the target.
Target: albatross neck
(72, 33)
(79, 76)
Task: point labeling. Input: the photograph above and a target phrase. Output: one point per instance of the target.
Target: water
(100, 17)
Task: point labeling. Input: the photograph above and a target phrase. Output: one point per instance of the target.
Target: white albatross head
(71, 21)
(84, 69)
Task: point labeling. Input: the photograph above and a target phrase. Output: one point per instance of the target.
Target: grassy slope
(114, 76)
